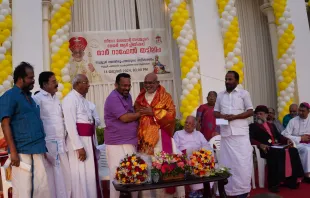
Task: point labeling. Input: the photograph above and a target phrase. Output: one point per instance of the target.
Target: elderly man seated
(283, 162)
(298, 130)
(189, 140)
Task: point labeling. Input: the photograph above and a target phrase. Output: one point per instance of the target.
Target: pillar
(27, 34)
(46, 26)
(210, 46)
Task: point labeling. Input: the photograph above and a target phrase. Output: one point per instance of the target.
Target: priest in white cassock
(298, 130)
(235, 105)
(57, 166)
(189, 140)
(80, 126)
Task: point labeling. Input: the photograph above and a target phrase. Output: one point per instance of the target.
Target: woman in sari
(205, 118)
(283, 162)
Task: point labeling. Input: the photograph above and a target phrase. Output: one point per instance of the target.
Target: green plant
(178, 125)
(100, 135)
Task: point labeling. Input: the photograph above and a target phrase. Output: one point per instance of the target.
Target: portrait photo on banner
(103, 55)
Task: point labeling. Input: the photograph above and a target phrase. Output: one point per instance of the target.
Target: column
(210, 46)
(46, 43)
(302, 46)
(27, 34)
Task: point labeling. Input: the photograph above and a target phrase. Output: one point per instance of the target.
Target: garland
(184, 35)
(59, 37)
(6, 67)
(231, 36)
(286, 72)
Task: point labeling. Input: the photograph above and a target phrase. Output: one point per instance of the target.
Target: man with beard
(293, 113)
(283, 163)
(156, 126)
(298, 130)
(120, 134)
(52, 117)
(271, 118)
(24, 134)
(80, 126)
(235, 105)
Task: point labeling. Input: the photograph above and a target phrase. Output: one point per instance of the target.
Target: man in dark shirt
(24, 133)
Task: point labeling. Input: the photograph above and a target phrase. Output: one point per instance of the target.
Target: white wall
(302, 43)
(210, 46)
(27, 34)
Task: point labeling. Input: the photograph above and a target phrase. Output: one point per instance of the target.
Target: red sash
(88, 130)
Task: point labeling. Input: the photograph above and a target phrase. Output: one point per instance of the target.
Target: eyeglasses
(150, 82)
(84, 82)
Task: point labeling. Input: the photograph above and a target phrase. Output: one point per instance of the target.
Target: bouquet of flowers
(169, 166)
(132, 170)
(202, 163)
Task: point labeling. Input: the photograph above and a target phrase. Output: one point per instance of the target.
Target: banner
(103, 55)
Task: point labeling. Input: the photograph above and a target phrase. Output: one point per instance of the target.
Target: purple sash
(166, 142)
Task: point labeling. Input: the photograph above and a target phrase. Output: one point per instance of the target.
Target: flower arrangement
(202, 163)
(169, 166)
(132, 170)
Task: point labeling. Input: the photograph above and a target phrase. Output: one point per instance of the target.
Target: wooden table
(125, 190)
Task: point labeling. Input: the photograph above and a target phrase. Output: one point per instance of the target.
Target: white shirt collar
(45, 93)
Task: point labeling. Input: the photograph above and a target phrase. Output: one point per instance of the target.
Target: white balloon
(282, 93)
(187, 27)
(286, 98)
(183, 33)
(65, 71)
(174, 9)
(288, 61)
(194, 70)
(4, 12)
(59, 42)
(10, 78)
(60, 86)
(7, 44)
(280, 32)
(6, 84)
(59, 95)
(280, 109)
(183, 49)
(237, 51)
(179, 40)
(281, 20)
(1, 88)
(282, 103)
(283, 66)
(55, 37)
(2, 50)
(230, 55)
(289, 21)
(189, 87)
(226, 24)
(290, 51)
(281, 61)
(233, 13)
(2, 18)
(280, 78)
(190, 75)
(64, 38)
(60, 32)
(5, 4)
(185, 42)
(56, 6)
(55, 49)
(227, 7)
(61, 1)
(197, 76)
(66, 78)
(230, 18)
(222, 21)
(185, 81)
(229, 64)
(182, 97)
(197, 64)
(284, 26)
(194, 80)
(287, 14)
(66, 28)
(189, 37)
(285, 56)
(225, 14)
(238, 45)
(2, 57)
(185, 92)
(235, 60)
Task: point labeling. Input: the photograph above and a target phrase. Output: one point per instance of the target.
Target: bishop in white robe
(298, 130)
(81, 150)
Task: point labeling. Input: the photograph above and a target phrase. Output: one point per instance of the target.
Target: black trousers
(276, 166)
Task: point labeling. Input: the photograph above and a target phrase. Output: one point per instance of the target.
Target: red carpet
(302, 192)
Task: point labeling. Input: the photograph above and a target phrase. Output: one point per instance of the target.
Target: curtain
(257, 53)
(108, 15)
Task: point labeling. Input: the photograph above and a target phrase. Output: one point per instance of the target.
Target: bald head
(190, 124)
(151, 83)
(293, 110)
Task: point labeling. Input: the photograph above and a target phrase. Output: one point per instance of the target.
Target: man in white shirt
(235, 105)
(298, 130)
(80, 126)
(57, 168)
(189, 140)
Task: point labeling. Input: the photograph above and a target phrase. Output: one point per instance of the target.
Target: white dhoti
(34, 182)
(161, 193)
(58, 170)
(83, 174)
(236, 154)
(304, 152)
(114, 155)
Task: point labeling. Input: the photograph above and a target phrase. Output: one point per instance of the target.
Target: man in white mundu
(235, 105)
(57, 166)
(298, 130)
(79, 123)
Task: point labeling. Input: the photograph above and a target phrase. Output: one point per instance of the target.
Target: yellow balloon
(55, 26)
(3, 74)
(190, 97)
(57, 16)
(63, 10)
(62, 52)
(172, 23)
(5, 62)
(184, 102)
(9, 69)
(2, 38)
(282, 86)
(65, 91)
(189, 52)
(197, 86)
(56, 58)
(68, 17)
(56, 71)
(185, 70)
(60, 63)
(6, 32)
(67, 85)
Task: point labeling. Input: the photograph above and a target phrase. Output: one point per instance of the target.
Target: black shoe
(306, 180)
(274, 189)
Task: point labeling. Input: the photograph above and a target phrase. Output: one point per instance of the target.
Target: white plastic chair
(261, 163)
(6, 184)
(216, 141)
(103, 164)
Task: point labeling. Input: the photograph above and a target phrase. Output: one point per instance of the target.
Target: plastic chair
(103, 164)
(216, 142)
(261, 163)
(6, 184)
